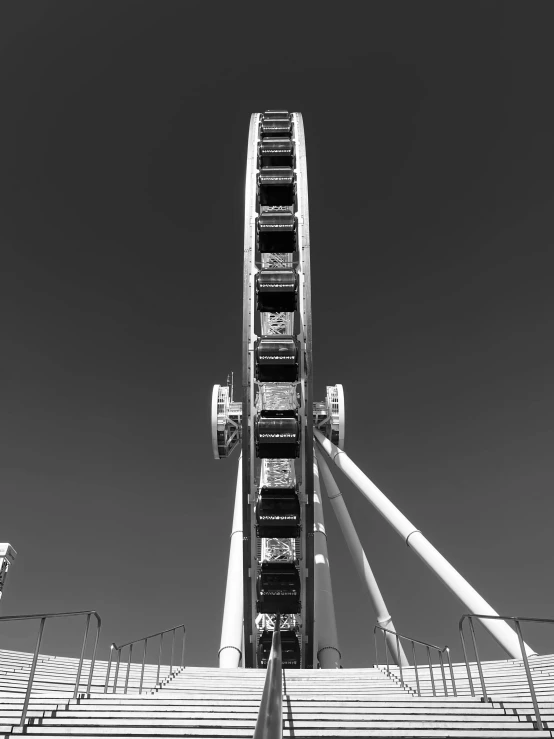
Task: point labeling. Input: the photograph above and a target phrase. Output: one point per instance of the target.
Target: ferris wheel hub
(226, 421)
(277, 420)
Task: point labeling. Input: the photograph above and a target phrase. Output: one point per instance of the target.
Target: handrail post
(80, 668)
(454, 691)
(431, 671)
(399, 661)
(128, 668)
(468, 668)
(143, 663)
(386, 652)
(117, 670)
(159, 658)
(481, 676)
(183, 650)
(529, 677)
(106, 684)
(172, 652)
(441, 660)
(415, 667)
(93, 660)
(32, 673)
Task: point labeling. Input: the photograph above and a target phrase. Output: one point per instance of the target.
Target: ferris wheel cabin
(277, 435)
(277, 359)
(278, 588)
(278, 513)
(277, 290)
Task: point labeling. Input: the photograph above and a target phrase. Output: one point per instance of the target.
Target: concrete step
(98, 718)
(153, 705)
(511, 704)
(117, 711)
(295, 733)
(137, 726)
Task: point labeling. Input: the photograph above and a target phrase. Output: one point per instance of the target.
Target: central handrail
(516, 620)
(143, 639)
(425, 644)
(43, 617)
(269, 724)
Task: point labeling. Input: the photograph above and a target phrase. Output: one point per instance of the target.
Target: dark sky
(429, 132)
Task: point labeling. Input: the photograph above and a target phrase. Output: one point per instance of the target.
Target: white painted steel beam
(230, 651)
(361, 563)
(471, 599)
(328, 652)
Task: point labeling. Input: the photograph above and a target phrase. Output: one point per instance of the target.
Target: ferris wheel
(273, 423)
(279, 572)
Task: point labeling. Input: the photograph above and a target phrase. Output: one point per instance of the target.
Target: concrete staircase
(209, 702)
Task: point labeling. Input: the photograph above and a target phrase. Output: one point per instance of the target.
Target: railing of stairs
(43, 617)
(428, 647)
(269, 724)
(144, 640)
(517, 623)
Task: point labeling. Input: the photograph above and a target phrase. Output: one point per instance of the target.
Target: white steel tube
(471, 599)
(361, 563)
(328, 653)
(230, 651)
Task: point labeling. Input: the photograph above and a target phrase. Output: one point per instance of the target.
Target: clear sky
(431, 173)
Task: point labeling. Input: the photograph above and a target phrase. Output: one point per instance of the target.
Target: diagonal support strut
(461, 588)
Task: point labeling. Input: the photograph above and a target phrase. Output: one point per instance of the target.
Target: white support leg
(328, 653)
(361, 564)
(230, 651)
(471, 599)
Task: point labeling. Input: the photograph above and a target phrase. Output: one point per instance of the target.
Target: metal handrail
(43, 617)
(516, 620)
(143, 639)
(428, 647)
(269, 724)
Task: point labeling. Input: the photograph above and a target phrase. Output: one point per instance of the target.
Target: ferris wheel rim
(253, 263)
